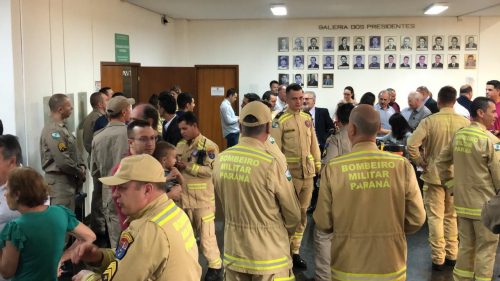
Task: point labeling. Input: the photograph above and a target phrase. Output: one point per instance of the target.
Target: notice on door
(217, 91)
(122, 48)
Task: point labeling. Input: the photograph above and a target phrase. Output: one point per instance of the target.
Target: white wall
(252, 44)
(7, 104)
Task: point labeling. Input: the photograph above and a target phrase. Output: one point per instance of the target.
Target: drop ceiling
(301, 9)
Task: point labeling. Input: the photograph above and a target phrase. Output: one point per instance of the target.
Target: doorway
(121, 77)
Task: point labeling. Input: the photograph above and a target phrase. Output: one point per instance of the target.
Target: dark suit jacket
(342, 48)
(173, 133)
(439, 65)
(450, 65)
(392, 66)
(432, 105)
(322, 123)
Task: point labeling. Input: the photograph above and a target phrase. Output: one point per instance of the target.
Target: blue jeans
(232, 139)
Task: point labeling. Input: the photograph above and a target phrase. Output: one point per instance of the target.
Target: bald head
(146, 112)
(366, 121)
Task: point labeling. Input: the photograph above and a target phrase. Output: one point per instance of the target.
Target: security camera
(164, 20)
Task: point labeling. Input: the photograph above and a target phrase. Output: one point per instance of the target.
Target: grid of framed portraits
(323, 55)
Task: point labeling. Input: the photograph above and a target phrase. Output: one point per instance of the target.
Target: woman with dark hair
(348, 96)
(32, 245)
(367, 98)
(401, 130)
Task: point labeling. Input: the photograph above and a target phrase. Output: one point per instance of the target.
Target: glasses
(146, 139)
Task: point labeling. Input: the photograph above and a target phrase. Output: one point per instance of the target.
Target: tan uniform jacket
(109, 146)
(295, 135)
(432, 135)
(88, 128)
(260, 206)
(198, 189)
(335, 145)
(369, 199)
(158, 245)
(59, 152)
(475, 156)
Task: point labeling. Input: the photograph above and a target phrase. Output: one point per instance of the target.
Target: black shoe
(450, 263)
(213, 274)
(298, 262)
(438, 267)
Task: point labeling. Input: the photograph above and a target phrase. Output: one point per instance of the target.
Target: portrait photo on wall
(358, 62)
(375, 43)
(312, 80)
(298, 78)
(390, 43)
(421, 62)
(374, 61)
(298, 62)
(359, 43)
(343, 62)
(313, 44)
(283, 79)
(390, 61)
(405, 60)
(453, 61)
(471, 42)
(298, 44)
(328, 44)
(437, 43)
(470, 61)
(328, 62)
(327, 80)
(406, 43)
(282, 62)
(283, 44)
(454, 42)
(313, 62)
(437, 61)
(422, 43)
(344, 43)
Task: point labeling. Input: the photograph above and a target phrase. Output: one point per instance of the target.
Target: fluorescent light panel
(436, 9)
(278, 10)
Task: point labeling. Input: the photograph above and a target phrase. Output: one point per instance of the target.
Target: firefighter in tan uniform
(158, 244)
(64, 169)
(369, 199)
(195, 155)
(294, 134)
(336, 145)
(475, 156)
(432, 135)
(259, 202)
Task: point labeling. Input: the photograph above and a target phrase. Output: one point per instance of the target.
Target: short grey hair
(415, 95)
(311, 93)
(382, 92)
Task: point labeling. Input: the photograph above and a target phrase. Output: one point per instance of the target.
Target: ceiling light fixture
(278, 10)
(436, 9)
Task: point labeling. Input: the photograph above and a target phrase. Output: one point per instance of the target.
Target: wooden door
(208, 76)
(121, 77)
(157, 79)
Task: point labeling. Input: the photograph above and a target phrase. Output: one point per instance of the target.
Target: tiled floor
(419, 263)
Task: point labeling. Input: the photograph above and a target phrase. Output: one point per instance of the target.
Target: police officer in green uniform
(64, 169)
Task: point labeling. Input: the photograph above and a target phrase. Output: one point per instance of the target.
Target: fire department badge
(126, 240)
(496, 146)
(308, 124)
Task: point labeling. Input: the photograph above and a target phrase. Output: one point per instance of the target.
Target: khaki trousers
(322, 255)
(303, 188)
(442, 221)
(203, 221)
(476, 254)
(230, 275)
(97, 220)
(61, 190)
(110, 216)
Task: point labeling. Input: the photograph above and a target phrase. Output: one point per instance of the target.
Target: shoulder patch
(126, 240)
(496, 146)
(56, 135)
(279, 114)
(275, 123)
(288, 175)
(62, 147)
(108, 274)
(272, 140)
(211, 154)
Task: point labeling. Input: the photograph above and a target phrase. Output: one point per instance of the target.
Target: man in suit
(406, 62)
(313, 44)
(171, 132)
(313, 64)
(327, 80)
(437, 62)
(406, 46)
(359, 44)
(390, 44)
(328, 63)
(438, 44)
(358, 64)
(390, 62)
(344, 44)
(343, 61)
(421, 62)
(453, 64)
(374, 64)
(454, 44)
(312, 80)
(470, 43)
(429, 102)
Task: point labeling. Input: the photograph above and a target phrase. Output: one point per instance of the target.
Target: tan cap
(117, 104)
(142, 167)
(259, 110)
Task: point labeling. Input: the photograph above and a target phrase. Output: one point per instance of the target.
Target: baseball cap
(143, 167)
(259, 110)
(118, 103)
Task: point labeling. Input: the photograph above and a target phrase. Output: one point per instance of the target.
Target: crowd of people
(361, 173)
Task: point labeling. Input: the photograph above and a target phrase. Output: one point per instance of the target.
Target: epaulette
(279, 114)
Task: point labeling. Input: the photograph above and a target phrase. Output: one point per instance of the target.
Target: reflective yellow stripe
(209, 217)
(215, 263)
(298, 235)
(363, 152)
(197, 186)
(474, 134)
(261, 153)
(306, 115)
(463, 273)
(347, 276)
(292, 159)
(468, 211)
(167, 214)
(284, 117)
(255, 264)
(245, 150)
(290, 278)
(250, 154)
(368, 157)
(473, 130)
(482, 278)
(167, 209)
(195, 168)
(190, 243)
